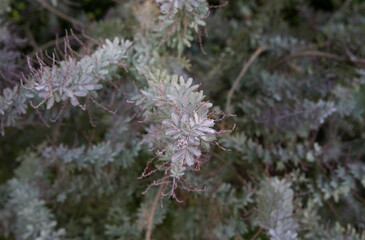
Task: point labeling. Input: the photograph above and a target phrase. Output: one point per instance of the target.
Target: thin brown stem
(240, 76)
(45, 46)
(152, 214)
(315, 53)
(257, 234)
(60, 14)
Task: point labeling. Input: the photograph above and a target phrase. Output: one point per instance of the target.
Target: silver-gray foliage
(72, 79)
(276, 209)
(33, 221)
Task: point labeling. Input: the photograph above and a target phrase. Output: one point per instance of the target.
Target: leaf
(50, 102)
(178, 156)
(189, 159)
(195, 151)
(175, 118)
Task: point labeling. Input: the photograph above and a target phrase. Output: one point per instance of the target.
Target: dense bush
(182, 119)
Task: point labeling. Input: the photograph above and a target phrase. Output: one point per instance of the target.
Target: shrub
(182, 119)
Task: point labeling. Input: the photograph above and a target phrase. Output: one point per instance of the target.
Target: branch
(316, 53)
(60, 14)
(304, 53)
(239, 77)
(345, 5)
(43, 47)
(153, 210)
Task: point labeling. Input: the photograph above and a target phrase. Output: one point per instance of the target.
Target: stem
(240, 75)
(341, 9)
(60, 14)
(315, 53)
(153, 210)
(257, 234)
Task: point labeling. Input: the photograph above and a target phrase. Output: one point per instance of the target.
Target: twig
(60, 14)
(308, 53)
(45, 46)
(345, 5)
(241, 74)
(257, 234)
(153, 209)
(30, 36)
(316, 53)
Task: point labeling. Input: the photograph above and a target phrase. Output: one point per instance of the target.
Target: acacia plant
(182, 119)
